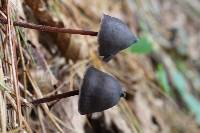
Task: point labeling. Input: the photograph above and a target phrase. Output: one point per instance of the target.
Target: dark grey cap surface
(99, 92)
(114, 35)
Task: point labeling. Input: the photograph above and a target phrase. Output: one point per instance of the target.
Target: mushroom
(99, 91)
(113, 36)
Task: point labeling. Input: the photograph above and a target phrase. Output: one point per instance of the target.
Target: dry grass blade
(130, 117)
(12, 102)
(40, 115)
(12, 44)
(63, 124)
(3, 115)
(44, 106)
(23, 68)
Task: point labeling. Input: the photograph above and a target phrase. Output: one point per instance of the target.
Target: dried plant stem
(12, 49)
(13, 104)
(55, 97)
(44, 106)
(49, 28)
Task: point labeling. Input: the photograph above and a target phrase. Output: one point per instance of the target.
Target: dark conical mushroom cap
(99, 92)
(114, 35)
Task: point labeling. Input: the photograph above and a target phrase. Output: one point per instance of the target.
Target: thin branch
(45, 28)
(55, 97)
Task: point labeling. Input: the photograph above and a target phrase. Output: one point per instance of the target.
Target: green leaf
(143, 46)
(192, 102)
(162, 79)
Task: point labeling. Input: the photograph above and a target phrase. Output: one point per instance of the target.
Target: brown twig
(55, 97)
(49, 28)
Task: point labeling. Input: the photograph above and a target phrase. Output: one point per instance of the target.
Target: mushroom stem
(55, 97)
(49, 28)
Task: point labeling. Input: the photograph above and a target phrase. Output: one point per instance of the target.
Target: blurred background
(161, 72)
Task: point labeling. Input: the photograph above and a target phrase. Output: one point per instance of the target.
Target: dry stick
(49, 28)
(55, 97)
(14, 78)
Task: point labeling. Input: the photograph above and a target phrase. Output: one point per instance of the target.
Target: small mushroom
(113, 36)
(99, 92)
